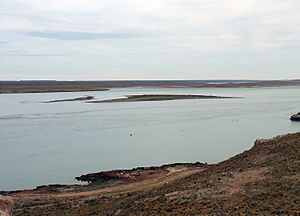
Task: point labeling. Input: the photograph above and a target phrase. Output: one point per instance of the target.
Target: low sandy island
(158, 97)
(264, 180)
(84, 98)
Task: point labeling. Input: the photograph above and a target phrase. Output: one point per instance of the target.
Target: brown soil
(6, 206)
(264, 180)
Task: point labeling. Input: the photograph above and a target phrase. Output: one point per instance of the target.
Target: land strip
(84, 98)
(158, 97)
(40, 86)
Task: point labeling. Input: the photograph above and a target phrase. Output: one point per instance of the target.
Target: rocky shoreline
(263, 180)
(108, 178)
(134, 174)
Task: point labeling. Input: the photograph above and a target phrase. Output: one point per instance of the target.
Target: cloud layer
(159, 39)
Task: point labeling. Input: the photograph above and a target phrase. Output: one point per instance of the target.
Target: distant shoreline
(11, 87)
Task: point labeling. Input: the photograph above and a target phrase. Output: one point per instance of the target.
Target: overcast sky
(157, 39)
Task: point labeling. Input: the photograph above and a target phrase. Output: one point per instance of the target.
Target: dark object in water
(295, 117)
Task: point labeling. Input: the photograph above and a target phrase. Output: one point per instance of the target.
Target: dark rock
(295, 117)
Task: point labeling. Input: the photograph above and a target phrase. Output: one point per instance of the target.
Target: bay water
(47, 143)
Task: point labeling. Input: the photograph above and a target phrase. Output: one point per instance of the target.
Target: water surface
(44, 143)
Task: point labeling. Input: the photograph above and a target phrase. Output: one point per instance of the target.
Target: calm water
(53, 143)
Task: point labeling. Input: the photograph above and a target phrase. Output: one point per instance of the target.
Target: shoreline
(109, 178)
(13, 87)
(30, 91)
(249, 183)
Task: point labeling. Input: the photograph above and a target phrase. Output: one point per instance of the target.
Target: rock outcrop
(295, 117)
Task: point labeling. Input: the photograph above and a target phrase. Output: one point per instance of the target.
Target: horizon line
(124, 80)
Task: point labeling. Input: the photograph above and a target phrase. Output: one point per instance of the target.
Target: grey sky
(158, 39)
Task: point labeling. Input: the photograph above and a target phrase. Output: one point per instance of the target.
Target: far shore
(10, 87)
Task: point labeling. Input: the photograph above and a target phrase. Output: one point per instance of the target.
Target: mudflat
(262, 180)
